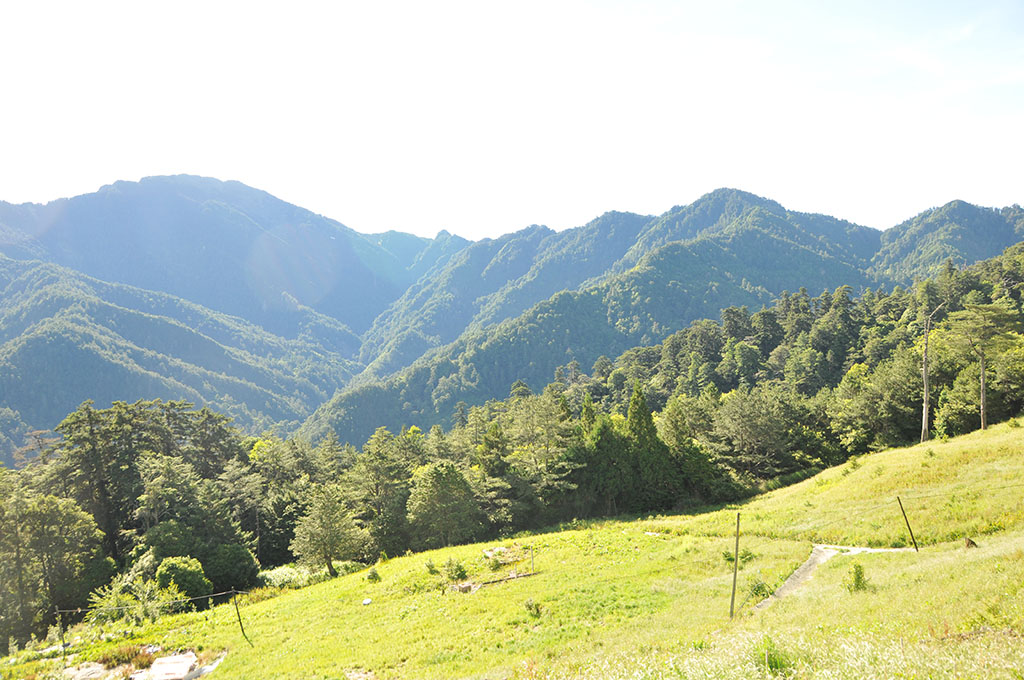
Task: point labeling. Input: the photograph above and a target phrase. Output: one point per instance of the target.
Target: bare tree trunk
(924, 375)
(982, 355)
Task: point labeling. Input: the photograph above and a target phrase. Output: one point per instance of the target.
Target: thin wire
(79, 610)
(850, 515)
(989, 488)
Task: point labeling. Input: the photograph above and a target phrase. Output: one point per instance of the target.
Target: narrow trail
(819, 555)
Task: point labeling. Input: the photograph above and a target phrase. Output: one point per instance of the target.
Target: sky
(482, 118)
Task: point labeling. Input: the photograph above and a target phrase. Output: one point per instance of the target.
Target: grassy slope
(650, 598)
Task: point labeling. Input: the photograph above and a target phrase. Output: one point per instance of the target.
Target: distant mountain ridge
(957, 231)
(297, 311)
(497, 279)
(223, 245)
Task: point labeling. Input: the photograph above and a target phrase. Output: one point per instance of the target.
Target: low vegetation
(714, 414)
(648, 597)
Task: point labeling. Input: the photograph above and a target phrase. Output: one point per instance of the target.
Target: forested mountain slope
(805, 381)
(750, 263)
(223, 245)
(957, 231)
(397, 327)
(494, 280)
(65, 338)
(723, 209)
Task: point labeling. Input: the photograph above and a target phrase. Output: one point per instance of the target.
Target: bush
(131, 601)
(372, 576)
(745, 556)
(759, 590)
(295, 576)
(231, 566)
(186, 573)
(855, 579)
(134, 655)
(773, 658)
(259, 594)
(454, 570)
(290, 576)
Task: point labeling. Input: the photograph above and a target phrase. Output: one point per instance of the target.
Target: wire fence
(159, 605)
(991, 490)
(162, 603)
(847, 517)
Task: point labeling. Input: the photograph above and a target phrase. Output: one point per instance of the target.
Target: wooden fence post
(914, 540)
(735, 567)
(234, 600)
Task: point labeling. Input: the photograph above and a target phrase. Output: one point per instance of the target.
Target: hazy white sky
(485, 117)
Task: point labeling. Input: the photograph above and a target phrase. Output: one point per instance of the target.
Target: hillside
(493, 280)
(733, 233)
(650, 308)
(409, 325)
(957, 231)
(650, 597)
(65, 338)
(222, 245)
(718, 212)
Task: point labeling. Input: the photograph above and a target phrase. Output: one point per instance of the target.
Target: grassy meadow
(649, 597)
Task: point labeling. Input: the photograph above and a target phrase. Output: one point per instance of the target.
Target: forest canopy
(716, 411)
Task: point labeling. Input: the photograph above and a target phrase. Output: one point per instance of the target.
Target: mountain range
(191, 288)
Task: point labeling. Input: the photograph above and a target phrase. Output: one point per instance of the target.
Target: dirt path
(819, 555)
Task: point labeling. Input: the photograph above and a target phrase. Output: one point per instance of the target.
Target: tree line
(128, 495)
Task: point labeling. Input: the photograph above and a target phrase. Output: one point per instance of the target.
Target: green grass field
(649, 598)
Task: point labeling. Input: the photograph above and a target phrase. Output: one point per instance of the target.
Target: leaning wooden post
(908, 523)
(234, 599)
(735, 567)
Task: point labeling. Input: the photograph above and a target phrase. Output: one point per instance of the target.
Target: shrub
(133, 601)
(454, 570)
(775, 660)
(118, 656)
(133, 655)
(295, 576)
(231, 566)
(759, 590)
(289, 576)
(533, 608)
(745, 556)
(259, 594)
(855, 579)
(431, 567)
(186, 573)
(372, 576)
(143, 659)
